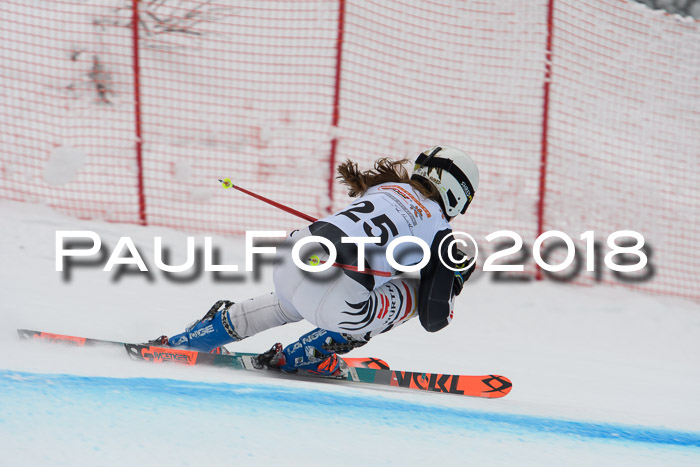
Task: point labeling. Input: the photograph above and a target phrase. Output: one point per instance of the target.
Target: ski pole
(227, 183)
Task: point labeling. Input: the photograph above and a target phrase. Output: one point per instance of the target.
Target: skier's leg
(339, 301)
(237, 321)
(346, 310)
(389, 306)
(228, 322)
(408, 304)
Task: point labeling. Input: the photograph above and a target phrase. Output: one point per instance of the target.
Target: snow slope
(601, 376)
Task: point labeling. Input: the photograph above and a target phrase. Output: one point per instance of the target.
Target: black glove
(461, 276)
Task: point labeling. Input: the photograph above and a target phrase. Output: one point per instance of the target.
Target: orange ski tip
(490, 386)
(498, 386)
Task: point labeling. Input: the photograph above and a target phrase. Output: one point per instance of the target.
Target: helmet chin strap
(444, 211)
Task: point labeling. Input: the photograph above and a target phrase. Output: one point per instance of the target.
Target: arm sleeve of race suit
(435, 291)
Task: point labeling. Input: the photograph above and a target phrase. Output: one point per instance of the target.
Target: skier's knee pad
(314, 347)
(207, 334)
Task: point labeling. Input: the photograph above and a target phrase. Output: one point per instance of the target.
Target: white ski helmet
(453, 172)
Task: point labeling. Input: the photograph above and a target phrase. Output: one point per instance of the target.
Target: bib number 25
(379, 226)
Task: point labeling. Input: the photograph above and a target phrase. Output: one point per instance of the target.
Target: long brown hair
(385, 171)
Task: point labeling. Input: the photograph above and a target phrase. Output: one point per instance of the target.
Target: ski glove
(462, 276)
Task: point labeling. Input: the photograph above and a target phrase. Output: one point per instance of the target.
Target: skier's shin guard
(207, 334)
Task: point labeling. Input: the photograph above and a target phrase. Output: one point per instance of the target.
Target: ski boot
(209, 334)
(315, 352)
(329, 366)
(276, 359)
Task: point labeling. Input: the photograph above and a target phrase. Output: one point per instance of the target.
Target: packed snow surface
(602, 376)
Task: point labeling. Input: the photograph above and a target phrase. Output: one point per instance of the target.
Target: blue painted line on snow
(307, 402)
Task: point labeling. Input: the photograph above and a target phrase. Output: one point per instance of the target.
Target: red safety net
(624, 134)
(132, 116)
(66, 93)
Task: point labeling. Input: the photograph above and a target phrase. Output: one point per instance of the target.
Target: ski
(367, 371)
(358, 362)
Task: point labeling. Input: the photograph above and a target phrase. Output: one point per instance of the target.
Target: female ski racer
(347, 306)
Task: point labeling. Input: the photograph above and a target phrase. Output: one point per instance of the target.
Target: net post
(545, 126)
(137, 108)
(336, 102)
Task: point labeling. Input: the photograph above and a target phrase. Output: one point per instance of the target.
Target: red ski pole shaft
(227, 183)
(275, 204)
